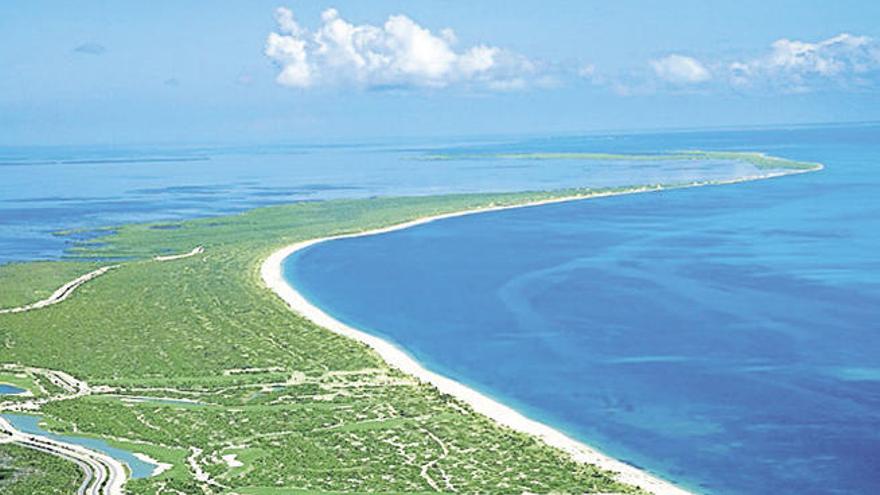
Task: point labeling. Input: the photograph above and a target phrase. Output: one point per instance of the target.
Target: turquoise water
(10, 390)
(31, 425)
(726, 338)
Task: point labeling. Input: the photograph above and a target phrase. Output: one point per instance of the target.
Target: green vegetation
(24, 283)
(300, 408)
(195, 363)
(27, 472)
(20, 380)
(761, 161)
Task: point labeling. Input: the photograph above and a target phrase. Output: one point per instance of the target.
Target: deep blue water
(727, 338)
(31, 425)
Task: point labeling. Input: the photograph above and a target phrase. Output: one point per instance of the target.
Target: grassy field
(199, 365)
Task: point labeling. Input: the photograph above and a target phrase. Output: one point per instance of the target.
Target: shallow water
(44, 190)
(10, 390)
(31, 425)
(724, 337)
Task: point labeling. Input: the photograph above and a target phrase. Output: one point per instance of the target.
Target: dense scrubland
(28, 472)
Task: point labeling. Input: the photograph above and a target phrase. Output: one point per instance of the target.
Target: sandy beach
(272, 274)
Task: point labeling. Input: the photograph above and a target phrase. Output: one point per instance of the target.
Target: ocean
(725, 338)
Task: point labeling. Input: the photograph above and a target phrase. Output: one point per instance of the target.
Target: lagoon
(10, 390)
(31, 425)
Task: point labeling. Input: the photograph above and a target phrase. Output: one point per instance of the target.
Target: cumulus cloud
(399, 53)
(679, 69)
(90, 49)
(795, 65)
(844, 61)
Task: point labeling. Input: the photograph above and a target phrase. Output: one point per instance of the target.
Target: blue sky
(211, 72)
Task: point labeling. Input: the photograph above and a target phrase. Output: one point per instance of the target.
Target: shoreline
(160, 467)
(272, 275)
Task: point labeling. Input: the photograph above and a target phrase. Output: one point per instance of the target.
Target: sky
(199, 72)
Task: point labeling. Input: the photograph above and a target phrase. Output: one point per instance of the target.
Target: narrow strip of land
(102, 478)
(272, 275)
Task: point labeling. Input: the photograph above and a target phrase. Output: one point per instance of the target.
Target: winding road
(67, 289)
(103, 475)
(62, 293)
(197, 250)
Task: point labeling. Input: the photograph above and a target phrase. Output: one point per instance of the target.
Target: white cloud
(827, 58)
(478, 59)
(587, 71)
(398, 53)
(679, 69)
(801, 66)
(290, 54)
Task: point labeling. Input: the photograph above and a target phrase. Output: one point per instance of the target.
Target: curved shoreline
(272, 274)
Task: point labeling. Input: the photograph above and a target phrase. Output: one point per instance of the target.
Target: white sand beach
(272, 274)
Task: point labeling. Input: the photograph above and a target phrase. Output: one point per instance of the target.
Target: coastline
(272, 275)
